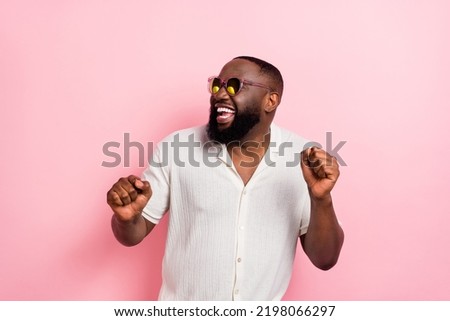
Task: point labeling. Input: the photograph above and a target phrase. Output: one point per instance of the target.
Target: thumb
(144, 193)
(146, 189)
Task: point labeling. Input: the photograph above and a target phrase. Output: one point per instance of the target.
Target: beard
(242, 123)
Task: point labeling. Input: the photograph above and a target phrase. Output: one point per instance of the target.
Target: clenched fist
(320, 170)
(128, 197)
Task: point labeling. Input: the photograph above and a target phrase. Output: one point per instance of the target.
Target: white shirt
(227, 241)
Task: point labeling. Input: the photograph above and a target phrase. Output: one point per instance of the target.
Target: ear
(272, 102)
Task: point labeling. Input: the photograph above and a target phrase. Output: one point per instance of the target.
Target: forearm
(129, 233)
(323, 241)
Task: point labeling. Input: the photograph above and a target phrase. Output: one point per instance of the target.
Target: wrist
(321, 200)
(124, 222)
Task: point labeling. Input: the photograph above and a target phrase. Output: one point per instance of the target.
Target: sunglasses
(232, 85)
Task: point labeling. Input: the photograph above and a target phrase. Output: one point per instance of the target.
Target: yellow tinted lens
(233, 86)
(215, 85)
(231, 90)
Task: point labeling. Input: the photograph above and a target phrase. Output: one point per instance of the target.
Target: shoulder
(179, 146)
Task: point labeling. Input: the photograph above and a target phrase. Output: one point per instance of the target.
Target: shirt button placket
(240, 243)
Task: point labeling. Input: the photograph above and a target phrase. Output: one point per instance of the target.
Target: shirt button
(245, 192)
(239, 260)
(236, 291)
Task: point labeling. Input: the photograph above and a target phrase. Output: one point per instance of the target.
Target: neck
(253, 143)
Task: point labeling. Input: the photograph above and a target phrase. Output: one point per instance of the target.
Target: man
(240, 191)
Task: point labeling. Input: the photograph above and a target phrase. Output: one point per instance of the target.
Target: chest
(244, 169)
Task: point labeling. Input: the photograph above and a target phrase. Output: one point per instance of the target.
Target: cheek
(244, 101)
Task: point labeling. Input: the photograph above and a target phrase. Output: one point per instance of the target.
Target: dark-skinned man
(240, 191)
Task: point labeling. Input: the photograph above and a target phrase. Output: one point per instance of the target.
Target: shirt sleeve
(158, 175)
(306, 213)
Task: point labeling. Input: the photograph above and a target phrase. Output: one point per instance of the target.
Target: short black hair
(269, 70)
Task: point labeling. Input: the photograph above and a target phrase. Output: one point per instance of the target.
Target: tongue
(224, 117)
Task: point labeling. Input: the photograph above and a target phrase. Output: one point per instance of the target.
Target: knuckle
(147, 185)
(114, 200)
(111, 196)
(124, 195)
(314, 153)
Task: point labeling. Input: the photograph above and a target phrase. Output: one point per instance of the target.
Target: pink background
(77, 74)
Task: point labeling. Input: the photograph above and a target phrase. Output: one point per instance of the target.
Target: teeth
(225, 110)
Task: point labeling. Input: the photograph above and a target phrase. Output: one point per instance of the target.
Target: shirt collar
(273, 149)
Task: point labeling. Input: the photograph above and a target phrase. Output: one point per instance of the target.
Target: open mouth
(225, 113)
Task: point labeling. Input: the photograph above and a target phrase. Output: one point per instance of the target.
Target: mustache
(214, 104)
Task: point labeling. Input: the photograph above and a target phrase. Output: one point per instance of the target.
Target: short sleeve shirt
(227, 240)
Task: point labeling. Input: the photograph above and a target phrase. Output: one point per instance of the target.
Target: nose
(222, 93)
